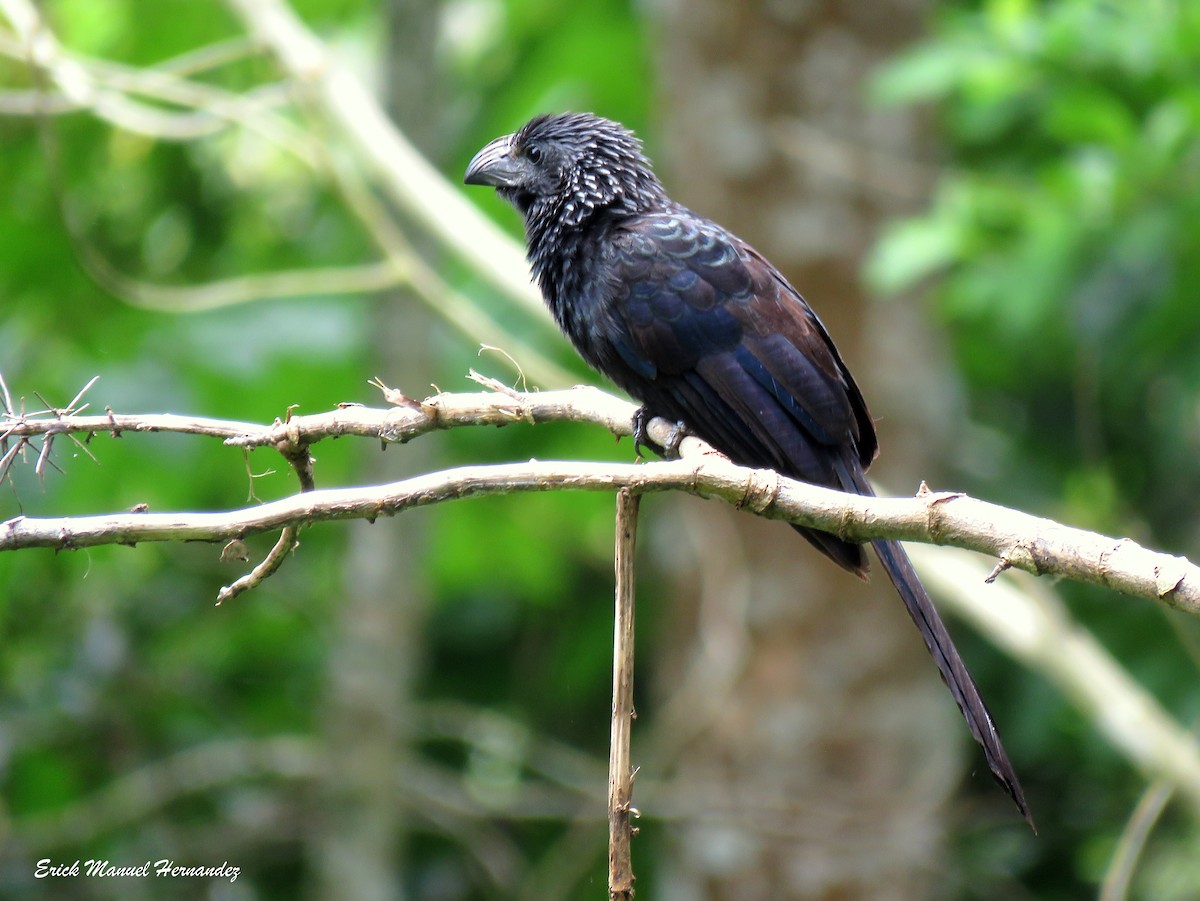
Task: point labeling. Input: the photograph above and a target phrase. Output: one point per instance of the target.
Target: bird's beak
(495, 165)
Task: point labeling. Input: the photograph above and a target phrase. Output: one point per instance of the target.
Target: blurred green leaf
(912, 250)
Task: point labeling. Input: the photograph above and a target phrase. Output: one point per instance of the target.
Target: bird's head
(567, 167)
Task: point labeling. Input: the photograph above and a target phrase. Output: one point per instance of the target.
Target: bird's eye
(534, 152)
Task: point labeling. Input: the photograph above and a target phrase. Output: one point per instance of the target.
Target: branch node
(1024, 555)
(934, 523)
(1169, 575)
(759, 491)
(1104, 560)
(431, 409)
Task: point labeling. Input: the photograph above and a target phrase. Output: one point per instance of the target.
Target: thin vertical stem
(620, 771)
(1119, 875)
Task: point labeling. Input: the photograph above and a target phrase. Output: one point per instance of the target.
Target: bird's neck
(564, 257)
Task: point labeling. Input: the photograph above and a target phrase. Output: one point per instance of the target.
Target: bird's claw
(641, 426)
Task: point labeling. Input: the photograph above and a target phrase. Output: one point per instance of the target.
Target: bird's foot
(675, 437)
(641, 435)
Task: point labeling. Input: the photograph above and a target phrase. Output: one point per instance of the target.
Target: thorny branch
(1016, 539)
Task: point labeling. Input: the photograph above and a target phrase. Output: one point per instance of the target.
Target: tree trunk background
(377, 650)
(823, 735)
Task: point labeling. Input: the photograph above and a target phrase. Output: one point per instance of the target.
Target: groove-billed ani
(699, 327)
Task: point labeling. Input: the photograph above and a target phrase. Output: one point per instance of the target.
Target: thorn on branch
(83, 447)
(10, 454)
(16, 423)
(1003, 564)
(235, 550)
(71, 407)
(494, 384)
(44, 457)
(394, 396)
(49, 407)
(6, 397)
(1024, 555)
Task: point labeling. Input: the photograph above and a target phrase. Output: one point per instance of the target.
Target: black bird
(701, 329)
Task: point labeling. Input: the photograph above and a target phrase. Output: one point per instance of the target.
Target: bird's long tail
(954, 672)
(937, 639)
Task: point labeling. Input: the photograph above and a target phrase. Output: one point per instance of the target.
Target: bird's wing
(716, 337)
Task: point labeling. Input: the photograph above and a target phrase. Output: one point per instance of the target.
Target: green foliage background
(1059, 255)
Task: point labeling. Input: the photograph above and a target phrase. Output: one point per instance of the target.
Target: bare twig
(285, 545)
(620, 769)
(496, 407)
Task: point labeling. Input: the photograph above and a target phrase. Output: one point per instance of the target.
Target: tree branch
(1034, 544)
